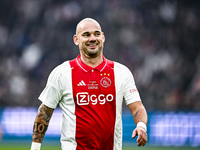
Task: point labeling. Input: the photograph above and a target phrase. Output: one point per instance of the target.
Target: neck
(92, 62)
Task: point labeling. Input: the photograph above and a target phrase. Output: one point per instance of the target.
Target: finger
(142, 139)
(145, 139)
(141, 143)
(140, 136)
(139, 140)
(134, 134)
(144, 142)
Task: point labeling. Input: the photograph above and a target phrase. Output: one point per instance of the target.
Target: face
(90, 39)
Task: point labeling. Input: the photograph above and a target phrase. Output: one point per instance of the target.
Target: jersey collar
(87, 68)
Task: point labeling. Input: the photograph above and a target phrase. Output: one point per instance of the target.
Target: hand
(142, 136)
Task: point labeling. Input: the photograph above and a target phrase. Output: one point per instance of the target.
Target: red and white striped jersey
(91, 102)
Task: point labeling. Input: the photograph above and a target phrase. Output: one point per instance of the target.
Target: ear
(103, 37)
(76, 42)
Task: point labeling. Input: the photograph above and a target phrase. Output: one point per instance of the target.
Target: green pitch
(159, 148)
(22, 146)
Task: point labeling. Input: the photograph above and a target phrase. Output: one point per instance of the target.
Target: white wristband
(35, 146)
(143, 125)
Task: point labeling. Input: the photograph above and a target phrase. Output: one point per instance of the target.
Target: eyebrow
(89, 32)
(85, 33)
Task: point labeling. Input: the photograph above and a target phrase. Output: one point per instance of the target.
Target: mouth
(93, 45)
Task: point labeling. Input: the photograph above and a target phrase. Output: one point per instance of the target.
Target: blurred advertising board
(164, 128)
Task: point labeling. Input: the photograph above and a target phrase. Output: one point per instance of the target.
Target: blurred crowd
(158, 40)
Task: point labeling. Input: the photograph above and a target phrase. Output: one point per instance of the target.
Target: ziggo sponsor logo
(83, 98)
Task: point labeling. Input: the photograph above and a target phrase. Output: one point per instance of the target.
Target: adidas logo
(82, 83)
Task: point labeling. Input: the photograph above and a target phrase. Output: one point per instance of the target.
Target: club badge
(105, 82)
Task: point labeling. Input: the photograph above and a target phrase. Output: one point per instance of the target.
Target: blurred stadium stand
(157, 40)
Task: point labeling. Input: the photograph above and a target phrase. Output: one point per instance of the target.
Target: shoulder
(65, 66)
(122, 72)
(116, 65)
(60, 70)
(120, 67)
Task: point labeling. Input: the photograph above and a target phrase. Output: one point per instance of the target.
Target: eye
(97, 33)
(85, 35)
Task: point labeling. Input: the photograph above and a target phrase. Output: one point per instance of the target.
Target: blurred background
(158, 40)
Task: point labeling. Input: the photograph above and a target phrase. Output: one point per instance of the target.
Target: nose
(92, 38)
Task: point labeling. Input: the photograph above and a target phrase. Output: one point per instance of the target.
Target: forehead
(88, 26)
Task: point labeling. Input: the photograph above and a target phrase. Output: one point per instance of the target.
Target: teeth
(91, 44)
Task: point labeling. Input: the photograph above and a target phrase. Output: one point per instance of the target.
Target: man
(90, 90)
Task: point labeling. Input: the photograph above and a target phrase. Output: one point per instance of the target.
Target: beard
(92, 53)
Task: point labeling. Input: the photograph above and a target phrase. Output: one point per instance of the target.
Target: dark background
(158, 40)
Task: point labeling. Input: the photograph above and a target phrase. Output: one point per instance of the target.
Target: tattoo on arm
(41, 123)
(135, 115)
(40, 128)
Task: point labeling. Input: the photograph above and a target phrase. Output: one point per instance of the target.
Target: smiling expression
(89, 38)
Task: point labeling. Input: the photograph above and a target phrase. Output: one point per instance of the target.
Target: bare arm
(41, 123)
(139, 115)
(139, 112)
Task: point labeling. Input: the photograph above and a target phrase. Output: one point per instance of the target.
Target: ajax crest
(105, 82)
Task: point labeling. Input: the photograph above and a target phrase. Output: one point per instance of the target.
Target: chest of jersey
(95, 105)
(93, 87)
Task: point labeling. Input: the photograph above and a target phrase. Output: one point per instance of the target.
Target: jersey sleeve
(52, 93)
(131, 93)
